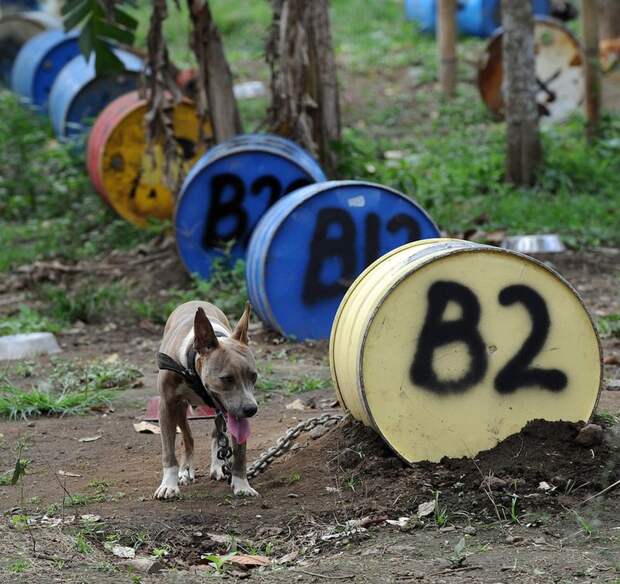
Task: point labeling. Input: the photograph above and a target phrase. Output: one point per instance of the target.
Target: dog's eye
(254, 377)
(227, 379)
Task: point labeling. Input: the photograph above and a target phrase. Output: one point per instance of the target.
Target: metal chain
(285, 441)
(224, 451)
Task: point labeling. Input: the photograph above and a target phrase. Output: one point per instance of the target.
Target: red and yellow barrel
(128, 175)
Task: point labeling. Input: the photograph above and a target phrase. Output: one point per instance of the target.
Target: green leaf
(124, 19)
(106, 61)
(111, 31)
(71, 5)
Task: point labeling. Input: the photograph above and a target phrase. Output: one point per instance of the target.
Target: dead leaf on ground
(425, 509)
(297, 405)
(250, 561)
(74, 475)
(89, 438)
(146, 428)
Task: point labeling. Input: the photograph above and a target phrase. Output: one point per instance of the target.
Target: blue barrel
(230, 188)
(307, 250)
(16, 29)
(78, 95)
(474, 17)
(18, 5)
(39, 62)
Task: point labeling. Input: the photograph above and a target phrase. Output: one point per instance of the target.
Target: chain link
(285, 441)
(224, 451)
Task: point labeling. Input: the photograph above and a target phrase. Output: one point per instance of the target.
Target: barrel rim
(481, 249)
(46, 41)
(303, 195)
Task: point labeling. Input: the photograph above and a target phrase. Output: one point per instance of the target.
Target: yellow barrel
(446, 347)
(126, 173)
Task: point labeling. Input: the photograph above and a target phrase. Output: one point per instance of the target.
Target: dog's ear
(241, 330)
(204, 337)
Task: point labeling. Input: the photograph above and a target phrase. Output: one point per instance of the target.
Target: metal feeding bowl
(532, 244)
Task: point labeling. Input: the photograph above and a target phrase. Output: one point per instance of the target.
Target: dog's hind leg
(168, 417)
(187, 472)
(239, 481)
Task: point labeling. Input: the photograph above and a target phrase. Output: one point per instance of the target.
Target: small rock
(296, 405)
(544, 486)
(540, 541)
(611, 360)
(590, 435)
(612, 384)
(318, 432)
(513, 539)
(493, 483)
(447, 529)
(145, 565)
(469, 530)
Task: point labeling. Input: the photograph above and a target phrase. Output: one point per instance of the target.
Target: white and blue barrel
(78, 94)
(229, 189)
(39, 62)
(16, 29)
(309, 248)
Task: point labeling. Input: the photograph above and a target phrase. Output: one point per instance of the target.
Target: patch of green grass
(48, 207)
(88, 303)
(19, 566)
(82, 545)
(307, 383)
(72, 389)
(609, 326)
(441, 513)
(27, 320)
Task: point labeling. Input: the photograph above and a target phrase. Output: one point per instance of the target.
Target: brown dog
(226, 367)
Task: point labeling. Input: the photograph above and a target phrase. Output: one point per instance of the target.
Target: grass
(28, 320)
(609, 326)
(71, 389)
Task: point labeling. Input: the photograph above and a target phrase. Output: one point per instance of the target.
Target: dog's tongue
(239, 428)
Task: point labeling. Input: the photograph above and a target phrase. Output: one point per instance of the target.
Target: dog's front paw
(187, 475)
(216, 472)
(169, 488)
(241, 488)
(167, 492)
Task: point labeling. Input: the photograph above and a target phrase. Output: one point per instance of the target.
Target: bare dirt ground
(322, 511)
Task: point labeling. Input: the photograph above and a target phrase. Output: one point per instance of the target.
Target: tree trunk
(609, 19)
(214, 77)
(519, 90)
(592, 70)
(304, 87)
(446, 40)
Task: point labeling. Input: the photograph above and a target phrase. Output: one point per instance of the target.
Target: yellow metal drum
(446, 347)
(129, 176)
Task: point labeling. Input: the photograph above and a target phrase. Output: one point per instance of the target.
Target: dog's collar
(189, 375)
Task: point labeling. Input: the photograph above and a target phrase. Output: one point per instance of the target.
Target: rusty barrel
(446, 347)
(559, 71)
(78, 94)
(17, 28)
(128, 175)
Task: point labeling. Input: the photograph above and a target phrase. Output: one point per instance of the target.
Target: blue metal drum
(309, 247)
(39, 62)
(18, 5)
(474, 17)
(78, 95)
(16, 29)
(230, 188)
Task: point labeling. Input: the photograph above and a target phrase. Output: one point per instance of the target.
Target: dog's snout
(250, 410)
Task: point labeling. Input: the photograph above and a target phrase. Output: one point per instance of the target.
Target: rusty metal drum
(79, 94)
(446, 347)
(16, 29)
(126, 173)
(559, 71)
(39, 62)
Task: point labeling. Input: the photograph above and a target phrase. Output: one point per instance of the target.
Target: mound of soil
(543, 452)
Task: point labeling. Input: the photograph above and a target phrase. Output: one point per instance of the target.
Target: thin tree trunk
(304, 88)
(519, 90)
(589, 27)
(215, 78)
(609, 19)
(446, 40)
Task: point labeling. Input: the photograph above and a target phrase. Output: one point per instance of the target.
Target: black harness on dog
(190, 375)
